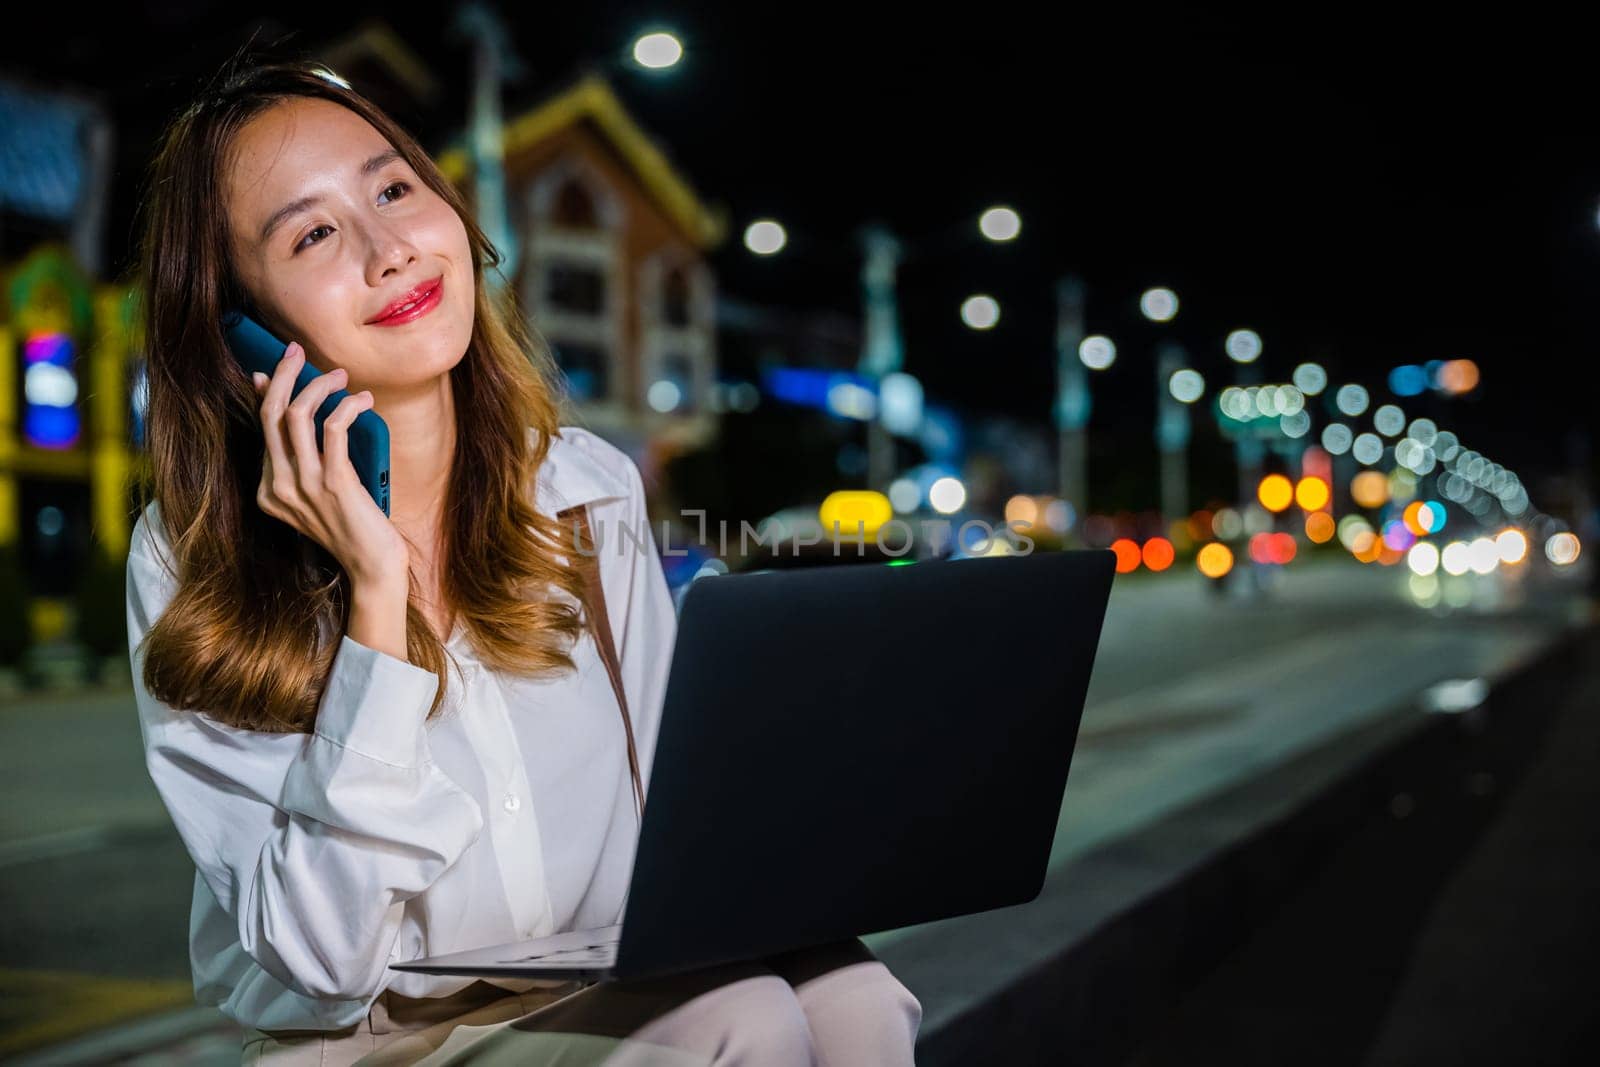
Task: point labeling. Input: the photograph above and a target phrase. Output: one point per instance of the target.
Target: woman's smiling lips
(412, 306)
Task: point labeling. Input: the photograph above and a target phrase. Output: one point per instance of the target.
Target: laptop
(844, 749)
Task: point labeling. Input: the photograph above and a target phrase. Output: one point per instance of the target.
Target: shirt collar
(570, 476)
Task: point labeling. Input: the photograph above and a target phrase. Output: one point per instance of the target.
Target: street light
(1243, 346)
(1097, 352)
(1000, 224)
(765, 237)
(1159, 304)
(657, 51)
(980, 312)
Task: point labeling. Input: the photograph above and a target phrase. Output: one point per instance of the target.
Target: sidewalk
(1195, 806)
(1456, 928)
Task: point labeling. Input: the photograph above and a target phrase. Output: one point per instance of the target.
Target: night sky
(1358, 197)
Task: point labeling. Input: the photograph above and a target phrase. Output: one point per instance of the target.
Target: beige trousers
(832, 1006)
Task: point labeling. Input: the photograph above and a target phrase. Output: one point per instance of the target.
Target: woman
(384, 737)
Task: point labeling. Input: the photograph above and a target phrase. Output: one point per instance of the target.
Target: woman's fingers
(335, 435)
(275, 398)
(303, 429)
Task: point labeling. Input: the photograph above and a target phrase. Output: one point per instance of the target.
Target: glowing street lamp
(1000, 224)
(1159, 304)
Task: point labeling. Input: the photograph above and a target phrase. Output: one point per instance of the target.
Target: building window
(575, 288)
(672, 390)
(585, 368)
(574, 208)
(675, 299)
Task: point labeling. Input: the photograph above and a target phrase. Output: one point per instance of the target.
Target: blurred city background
(1302, 333)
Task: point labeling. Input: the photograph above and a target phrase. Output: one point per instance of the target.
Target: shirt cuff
(375, 705)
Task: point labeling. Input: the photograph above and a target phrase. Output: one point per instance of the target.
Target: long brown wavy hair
(250, 634)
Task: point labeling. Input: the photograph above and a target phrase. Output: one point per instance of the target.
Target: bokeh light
(1483, 555)
(1397, 537)
(1458, 376)
(1000, 224)
(1312, 494)
(1413, 518)
(1337, 438)
(1389, 420)
(1243, 346)
(947, 495)
(1097, 352)
(1310, 378)
(1158, 554)
(1562, 548)
(1159, 304)
(1424, 589)
(980, 311)
(1354, 530)
(657, 51)
(1022, 509)
(1128, 555)
(1275, 492)
(1408, 380)
(1423, 558)
(1369, 489)
(1214, 560)
(1187, 385)
(1319, 527)
(905, 495)
(1456, 559)
(765, 237)
(1227, 524)
(1351, 400)
(1512, 545)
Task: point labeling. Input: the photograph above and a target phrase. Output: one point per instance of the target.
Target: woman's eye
(399, 185)
(307, 238)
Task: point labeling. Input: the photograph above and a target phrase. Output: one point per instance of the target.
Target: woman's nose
(389, 252)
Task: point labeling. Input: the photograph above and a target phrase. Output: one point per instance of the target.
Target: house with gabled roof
(611, 270)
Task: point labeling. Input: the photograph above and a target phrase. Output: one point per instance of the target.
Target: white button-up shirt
(321, 858)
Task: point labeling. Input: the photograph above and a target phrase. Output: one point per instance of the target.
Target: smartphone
(256, 349)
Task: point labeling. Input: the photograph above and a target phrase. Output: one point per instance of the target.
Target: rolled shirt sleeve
(312, 843)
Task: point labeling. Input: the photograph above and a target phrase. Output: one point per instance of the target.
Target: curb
(1138, 920)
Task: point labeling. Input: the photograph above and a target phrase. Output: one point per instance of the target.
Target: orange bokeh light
(1369, 489)
(1312, 494)
(1158, 553)
(1214, 560)
(1128, 555)
(1275, 492)
(1412, 517)
(1459, 376)
(1320, 527)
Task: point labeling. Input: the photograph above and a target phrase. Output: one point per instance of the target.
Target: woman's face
(330, 227)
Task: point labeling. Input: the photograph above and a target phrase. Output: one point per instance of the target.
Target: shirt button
(512, 802)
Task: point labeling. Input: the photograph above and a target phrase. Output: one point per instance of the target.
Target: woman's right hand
(320, 494)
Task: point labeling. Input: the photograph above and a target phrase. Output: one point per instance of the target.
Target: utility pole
(883, 349)
(1172, 435)
(493, 62)
(1072, 396)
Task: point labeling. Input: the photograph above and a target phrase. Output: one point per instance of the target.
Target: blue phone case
(256, 349)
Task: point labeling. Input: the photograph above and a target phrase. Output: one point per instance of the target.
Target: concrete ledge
(1118, 934)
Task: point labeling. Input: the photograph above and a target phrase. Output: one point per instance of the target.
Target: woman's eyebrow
(294, 207)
